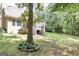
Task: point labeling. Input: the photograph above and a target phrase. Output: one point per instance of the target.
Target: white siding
(11, 28)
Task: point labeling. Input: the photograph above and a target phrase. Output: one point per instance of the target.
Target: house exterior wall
(4, 23)
(14, 29)
(39, 27)
(11, 28)
(0, 22)
(0, 15)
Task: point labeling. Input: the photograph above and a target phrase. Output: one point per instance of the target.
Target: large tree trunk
(30, 24)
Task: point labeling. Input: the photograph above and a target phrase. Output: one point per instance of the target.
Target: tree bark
(30, 24)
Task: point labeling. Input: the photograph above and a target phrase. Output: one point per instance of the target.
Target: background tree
(63, 16)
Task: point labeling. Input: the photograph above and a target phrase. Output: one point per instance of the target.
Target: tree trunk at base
(30, 24)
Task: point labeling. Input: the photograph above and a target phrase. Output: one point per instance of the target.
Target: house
(10, 22)
(39, 28)
(10, 19)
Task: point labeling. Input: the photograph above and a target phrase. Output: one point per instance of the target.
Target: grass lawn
(58, 44)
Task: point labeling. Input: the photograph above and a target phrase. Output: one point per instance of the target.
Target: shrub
(2, 30)
(24, 46)
(23, 30)
(1, 36)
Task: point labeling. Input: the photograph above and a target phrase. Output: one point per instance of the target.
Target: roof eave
(11, 16)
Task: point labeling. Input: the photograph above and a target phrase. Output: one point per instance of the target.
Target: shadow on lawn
(47, 48)
(64, 49)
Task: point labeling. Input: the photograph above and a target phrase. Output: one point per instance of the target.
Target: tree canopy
(70, 7)
(63, 17)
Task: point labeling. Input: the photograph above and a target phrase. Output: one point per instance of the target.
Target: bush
(24, 46)
(2, 30)
(1, 36)
(23, 31)
(58, 29)
(48, 29)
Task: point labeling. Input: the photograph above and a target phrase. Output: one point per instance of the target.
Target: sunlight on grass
(58, 44)
(69, 43)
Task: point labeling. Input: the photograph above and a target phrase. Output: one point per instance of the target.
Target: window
(18, 23)
(13, 22)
